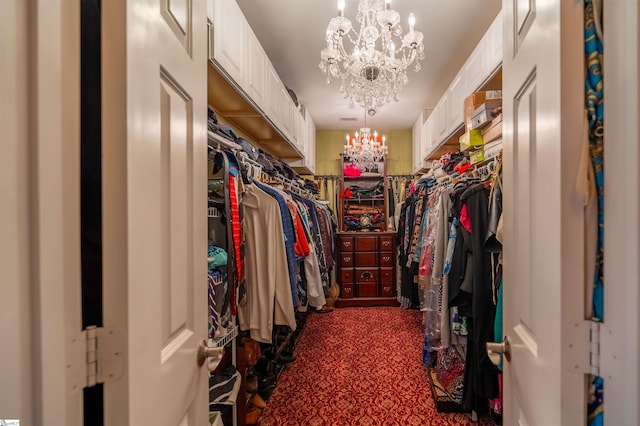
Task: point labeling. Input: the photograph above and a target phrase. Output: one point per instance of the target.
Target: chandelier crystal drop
(365, 149)
(374, 69)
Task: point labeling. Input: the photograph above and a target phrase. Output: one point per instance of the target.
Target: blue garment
(289, 237)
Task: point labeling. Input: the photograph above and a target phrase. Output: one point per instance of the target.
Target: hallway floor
(358, 366)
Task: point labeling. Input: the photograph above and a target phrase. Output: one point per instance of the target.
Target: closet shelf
(231, 333)
(215, 140)
(356, 199)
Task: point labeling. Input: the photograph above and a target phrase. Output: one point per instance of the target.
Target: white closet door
(40, 305)
(154, 153)
(543, 220)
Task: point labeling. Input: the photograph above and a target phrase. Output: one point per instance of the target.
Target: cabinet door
(417, 147)
(256, 73)
(474, 70)
(493, 45)
(230, 39)
(443, 117)
(427, 138)
(457, 92)
(310, 145)
(287, 112)
(274, 101)
(295, 125)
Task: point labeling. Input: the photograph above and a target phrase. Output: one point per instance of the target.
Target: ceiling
(292, 34)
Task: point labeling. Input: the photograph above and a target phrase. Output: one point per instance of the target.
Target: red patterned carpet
(358, 366)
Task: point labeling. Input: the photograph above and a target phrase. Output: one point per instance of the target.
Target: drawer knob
(366, 275)
(347, 243)
(347, 289)
(386, 258)
(347, 259)
(386, 289)
(386, 243)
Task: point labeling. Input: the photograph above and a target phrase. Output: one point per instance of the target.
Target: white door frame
(620, 349)
(40, 223)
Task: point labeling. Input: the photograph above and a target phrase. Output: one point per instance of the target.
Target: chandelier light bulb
(341, 4)
(412, 22)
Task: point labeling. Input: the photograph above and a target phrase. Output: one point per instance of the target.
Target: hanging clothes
(269, 295)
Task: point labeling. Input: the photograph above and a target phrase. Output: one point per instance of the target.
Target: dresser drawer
(347, 259)
(346, 291)
(387, 259)
(386, 243)
(386, 290)
(387, 275)
(366, 275)
(346, 243)
(367, 290)
(346, 276)
(367, 259)
(367, 243)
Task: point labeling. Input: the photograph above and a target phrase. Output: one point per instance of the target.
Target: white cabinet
(474, 70)
(457, 92)
(256, 78)
(310, 145)
(427, 137)
(493, 45)
(417, 144)
(442, 117)
(297, 136)
(274, 96)
(230, 30)
(287, 112)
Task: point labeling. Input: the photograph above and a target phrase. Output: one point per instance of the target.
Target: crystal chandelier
(365, 149)
(374, 70)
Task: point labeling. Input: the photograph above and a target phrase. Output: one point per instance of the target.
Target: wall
(330, 144)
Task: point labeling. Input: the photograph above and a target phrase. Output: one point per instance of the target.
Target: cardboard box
(482, 115)
(471, 139)
(493, 130)
(476, 156)
(473, 102)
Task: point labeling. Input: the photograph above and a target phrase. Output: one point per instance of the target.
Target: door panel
(155, 202)
(543, 222)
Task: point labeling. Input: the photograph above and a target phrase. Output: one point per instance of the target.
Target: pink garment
(465, 220)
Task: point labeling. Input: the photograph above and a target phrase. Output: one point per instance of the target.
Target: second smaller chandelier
(373, 71)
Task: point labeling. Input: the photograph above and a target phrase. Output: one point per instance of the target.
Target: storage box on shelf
(471, 139)
(493, 130)
(476, 100)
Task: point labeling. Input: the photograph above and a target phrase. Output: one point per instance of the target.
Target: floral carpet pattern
(358, 366)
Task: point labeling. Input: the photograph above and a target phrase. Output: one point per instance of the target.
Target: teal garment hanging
(497, 325)
(595, 111)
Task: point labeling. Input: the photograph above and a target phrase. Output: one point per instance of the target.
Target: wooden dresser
(366, 268)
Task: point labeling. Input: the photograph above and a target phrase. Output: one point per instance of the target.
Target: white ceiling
(292, 33)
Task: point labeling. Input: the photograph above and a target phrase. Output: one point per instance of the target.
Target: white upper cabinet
(417, 144)
(274, 95)
(442, 117)
(230, 39)
(427, 137)
(494, 45)
(457, 92)
(310, 145)
(474, 70)
(256, 79)
(287, 113)
(448, 114)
